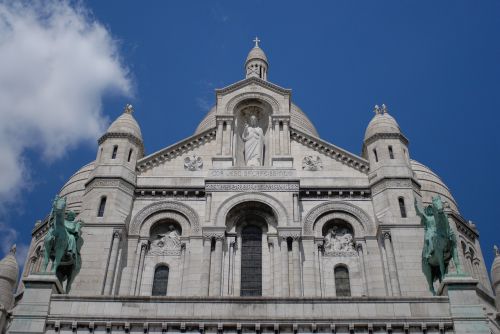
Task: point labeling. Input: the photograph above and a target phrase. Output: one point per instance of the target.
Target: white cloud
(56, 63)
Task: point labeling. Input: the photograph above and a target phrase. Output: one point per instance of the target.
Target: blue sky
(435, 64)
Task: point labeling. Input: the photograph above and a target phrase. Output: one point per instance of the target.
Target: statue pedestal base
(465, 308)
(31, 313)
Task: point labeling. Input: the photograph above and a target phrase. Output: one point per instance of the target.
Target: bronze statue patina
(63, 243)
(440, 243)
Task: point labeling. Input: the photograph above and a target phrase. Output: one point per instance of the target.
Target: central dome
(298, 119)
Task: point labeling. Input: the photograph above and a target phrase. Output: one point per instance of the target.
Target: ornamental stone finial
(13, 249)
(380, 110)
(497, 251)
(129, 109)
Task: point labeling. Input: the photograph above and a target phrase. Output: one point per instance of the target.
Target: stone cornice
(378, 136)
(175, 150)
(260, 82)
(462, 225)
(128, 136)
(331, 150)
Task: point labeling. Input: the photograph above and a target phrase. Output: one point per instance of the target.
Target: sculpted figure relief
(168, 241)
(338, 240)
(253, 137)
(63, 243)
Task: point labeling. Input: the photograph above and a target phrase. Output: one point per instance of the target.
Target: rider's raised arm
(417, 209)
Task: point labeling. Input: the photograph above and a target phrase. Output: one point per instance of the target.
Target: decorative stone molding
(341, 193)
(312, 163)
(378, 136)
(214, 187)
(158, 207)
(252, 172)
(109, 183)
(253, 80)
(231, 105)
(321, 209)
(279, 210)
(331, 151)
(119, 135)
(392, 184)
(193, 163)
(175, 150)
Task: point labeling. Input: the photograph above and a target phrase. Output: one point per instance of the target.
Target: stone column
(297, 286)
(284, 267)
(321, 277)
(110, 275)
(361, 257)
(215, 286)
(391, 262)
(220, 135)
(205, 273)
(230, 276)
(208, 207)
(140, 268)
(468, 263)
(286, 139)
(277, 135)
(275, 265)
(296, 212)
(228, 137)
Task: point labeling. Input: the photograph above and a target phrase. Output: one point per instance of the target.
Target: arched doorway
(251, 261)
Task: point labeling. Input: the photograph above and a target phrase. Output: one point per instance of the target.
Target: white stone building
(254, 224)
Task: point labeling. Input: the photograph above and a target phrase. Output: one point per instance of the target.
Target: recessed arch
(180, 212)
(324, 212)
(230, 106)
(279, 210)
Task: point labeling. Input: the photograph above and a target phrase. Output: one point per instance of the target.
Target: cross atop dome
(256, 40)
(256, 64)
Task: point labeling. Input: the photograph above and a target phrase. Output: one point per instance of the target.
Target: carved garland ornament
(320, 209)
(193, 163)
(312, 163)
(142, 215)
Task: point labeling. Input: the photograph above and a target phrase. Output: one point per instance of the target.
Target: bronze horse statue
(63, 243)
(440, 245)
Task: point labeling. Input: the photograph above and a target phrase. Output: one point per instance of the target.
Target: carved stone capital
(386, 235)
(117, 234)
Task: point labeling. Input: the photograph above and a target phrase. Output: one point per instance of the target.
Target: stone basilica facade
(254, 224)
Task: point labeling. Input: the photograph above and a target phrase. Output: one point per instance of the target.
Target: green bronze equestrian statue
(440, 243)
(63, 243)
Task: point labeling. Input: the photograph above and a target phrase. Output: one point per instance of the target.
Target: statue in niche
(170, 240)
(338, 240)
(253, 137)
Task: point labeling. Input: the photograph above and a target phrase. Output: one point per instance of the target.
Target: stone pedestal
(465, 308)
(30, 314)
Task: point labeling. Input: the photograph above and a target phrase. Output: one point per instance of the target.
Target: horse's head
(437, 204)
(59, 204)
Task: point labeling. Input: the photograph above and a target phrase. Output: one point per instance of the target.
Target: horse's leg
(46, 253)
(426, 268)
(442, 267)
(59, 253)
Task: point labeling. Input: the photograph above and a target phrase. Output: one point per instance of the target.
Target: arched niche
(323, 213)
(242, 112)
(185, 216)
(279, 212)
(251, 213)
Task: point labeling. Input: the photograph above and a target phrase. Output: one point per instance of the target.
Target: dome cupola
(126, 124)
(9, 271)
(256, 64)
(381, 123)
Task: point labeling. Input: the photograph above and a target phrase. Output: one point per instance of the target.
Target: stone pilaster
(391, 263)
(113, 257)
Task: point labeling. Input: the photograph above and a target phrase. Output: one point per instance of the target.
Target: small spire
(13, 249)
(256, 40)
(129, 109)
(497, 251)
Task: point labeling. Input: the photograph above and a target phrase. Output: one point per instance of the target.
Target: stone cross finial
(256, 40)
(380, 110)
(497, 251)
(128, 109)
(13, 249)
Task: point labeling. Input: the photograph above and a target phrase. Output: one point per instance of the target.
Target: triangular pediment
(253, 81)
(317, 145)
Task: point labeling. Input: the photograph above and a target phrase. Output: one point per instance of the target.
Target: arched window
(160, 281)
(402, 207)
(115, 150)
(102, 207)
(375, 155)
(129, 155)
(342, 284)
(251, 261)
(391, 153)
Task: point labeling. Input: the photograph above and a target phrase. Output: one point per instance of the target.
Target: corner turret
(495, 277)
(386, 148)
(9, 271)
